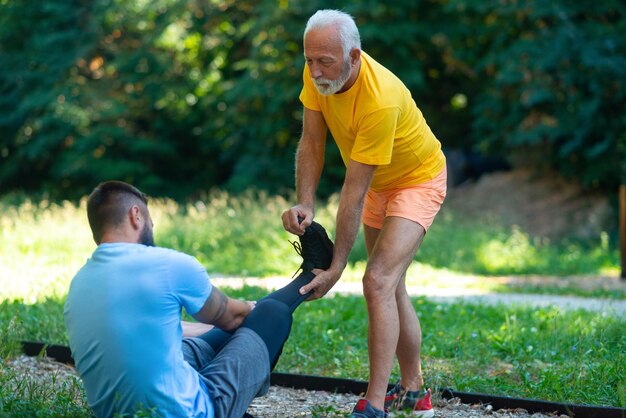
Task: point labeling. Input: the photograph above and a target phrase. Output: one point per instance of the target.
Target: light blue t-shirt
(123, 313)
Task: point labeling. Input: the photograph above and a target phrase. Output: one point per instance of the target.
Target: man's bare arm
(309, 165)
(223, 312)
(310, 156)
(358, 179)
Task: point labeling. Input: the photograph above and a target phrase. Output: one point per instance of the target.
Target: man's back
(123, 320)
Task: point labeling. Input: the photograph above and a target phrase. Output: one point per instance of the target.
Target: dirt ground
(289, 403)
(279, 402)
(546, 206)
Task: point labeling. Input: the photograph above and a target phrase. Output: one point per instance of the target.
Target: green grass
(43, 244)
(538, 354)
(549, 354)
(480, 247)
(21, 396)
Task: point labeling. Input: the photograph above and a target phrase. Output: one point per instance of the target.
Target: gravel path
(279, 402)
(290, 403)
(609, 306)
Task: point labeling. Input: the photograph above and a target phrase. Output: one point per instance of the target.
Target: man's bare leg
(409, 342)
(382, 337)
(391, 251)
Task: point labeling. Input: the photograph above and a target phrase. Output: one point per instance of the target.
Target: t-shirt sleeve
(309, 95)
(375, 136)
(191, 283)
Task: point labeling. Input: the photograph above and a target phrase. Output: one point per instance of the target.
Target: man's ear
(135, 217)
(355, 56)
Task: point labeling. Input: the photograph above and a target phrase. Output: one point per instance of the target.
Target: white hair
(348, 32)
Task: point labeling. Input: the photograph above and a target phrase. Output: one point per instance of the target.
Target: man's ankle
(376, 404)
(412, 385)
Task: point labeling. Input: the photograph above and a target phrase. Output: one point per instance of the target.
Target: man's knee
(377, 285)
(269, 311)
(272, 308)
(271, 320)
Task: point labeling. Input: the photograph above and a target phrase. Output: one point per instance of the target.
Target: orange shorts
(419, 203)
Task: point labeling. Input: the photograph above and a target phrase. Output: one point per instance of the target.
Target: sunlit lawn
(542, 353)
(42, 245)
(545, 353)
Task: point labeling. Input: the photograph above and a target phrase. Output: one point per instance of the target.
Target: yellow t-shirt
(377, 122)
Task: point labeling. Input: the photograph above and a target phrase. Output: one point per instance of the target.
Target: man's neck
(110, 238)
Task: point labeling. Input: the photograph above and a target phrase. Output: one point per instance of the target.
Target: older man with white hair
(395, 183)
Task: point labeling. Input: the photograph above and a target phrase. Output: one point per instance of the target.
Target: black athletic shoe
(315, 248)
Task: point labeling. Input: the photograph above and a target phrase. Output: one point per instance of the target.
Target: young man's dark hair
(109, 203)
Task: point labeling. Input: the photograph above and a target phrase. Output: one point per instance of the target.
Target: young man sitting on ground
(123, 317)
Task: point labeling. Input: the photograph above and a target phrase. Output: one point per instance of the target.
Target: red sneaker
(417, 402)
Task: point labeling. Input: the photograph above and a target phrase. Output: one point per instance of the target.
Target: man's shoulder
(377, 68)
(382, 85)
(146, 255)
(170, 254)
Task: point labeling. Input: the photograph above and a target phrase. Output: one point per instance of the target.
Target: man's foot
(392, 395)
(417, 402)
(364, 409)
(315, 248)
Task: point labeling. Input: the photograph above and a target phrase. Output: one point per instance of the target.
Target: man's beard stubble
(146, 237)
(329, 87)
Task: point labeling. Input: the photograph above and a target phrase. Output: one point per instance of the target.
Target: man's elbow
(231, 323)
(231, 326)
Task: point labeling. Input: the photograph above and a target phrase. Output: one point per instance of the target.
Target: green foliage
(38, 46)
(553, 93)
(10, 335)
(24, 396)
(525, 351)
(44, 320)
(179, 96)
(42, 245)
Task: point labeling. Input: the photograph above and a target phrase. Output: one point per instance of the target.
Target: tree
(555, 94)
(34, 63)
(182, 96)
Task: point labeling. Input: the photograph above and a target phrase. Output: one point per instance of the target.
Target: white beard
(329, 87)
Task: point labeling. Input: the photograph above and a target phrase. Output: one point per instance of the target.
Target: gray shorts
(236, 375)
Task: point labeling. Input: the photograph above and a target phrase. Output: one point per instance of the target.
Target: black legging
(271, 318)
